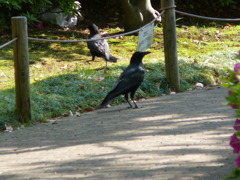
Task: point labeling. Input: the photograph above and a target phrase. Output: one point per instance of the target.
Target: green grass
(62, 80)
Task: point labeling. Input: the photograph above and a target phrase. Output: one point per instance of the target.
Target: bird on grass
(99, 48)
(128, 82)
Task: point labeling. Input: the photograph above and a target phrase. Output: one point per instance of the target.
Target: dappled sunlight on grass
(205, 55)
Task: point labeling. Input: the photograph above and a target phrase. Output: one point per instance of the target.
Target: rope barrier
(137, 30)
(107, 37)
(167, 8)
(82, 40)
(126, 33)
(9, 42)
(208, 18)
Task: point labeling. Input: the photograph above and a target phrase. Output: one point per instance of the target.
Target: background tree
(137, 13)
(130, 14)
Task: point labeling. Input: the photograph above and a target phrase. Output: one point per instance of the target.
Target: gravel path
(176, 137)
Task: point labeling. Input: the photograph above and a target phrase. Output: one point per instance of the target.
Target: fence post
(170, 44)
(21, 67)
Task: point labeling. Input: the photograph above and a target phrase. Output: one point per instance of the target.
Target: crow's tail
(109, 98)
(112, 59)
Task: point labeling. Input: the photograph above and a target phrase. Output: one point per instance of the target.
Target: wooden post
(21, 67)
(170, 44)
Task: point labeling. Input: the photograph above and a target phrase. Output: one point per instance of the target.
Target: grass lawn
(63, 81)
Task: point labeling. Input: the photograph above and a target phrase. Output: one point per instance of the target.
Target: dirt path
(176, 137)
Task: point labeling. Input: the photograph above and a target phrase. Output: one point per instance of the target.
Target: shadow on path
(182, 136)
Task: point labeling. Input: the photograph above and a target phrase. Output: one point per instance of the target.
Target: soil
(184, 136)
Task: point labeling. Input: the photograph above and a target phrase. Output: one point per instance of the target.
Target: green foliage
(66, 6)
(31, 17)
(2, 126)
(29, 8)
(235, 175)
(227, 2)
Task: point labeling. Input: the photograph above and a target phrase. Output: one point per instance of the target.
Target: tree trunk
(137, 13)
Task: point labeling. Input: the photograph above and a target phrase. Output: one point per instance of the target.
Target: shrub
(29, 8)
(233, 98)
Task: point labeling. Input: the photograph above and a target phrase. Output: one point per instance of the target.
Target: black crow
(99, 48)
(128, 82)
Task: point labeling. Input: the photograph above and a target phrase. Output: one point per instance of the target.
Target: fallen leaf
(195, 62)
(103, 33)
(64, 67)
(8, 128)
(2, 74)
(81, 87)
(88, 109)
(86, 32)
(78, 108)
(65, 115)
(37, 66)
(228, 25)
(43, 121)
(77, 114)
(44, 63)
(184, 31)
(198, 86)
(99, 79)
(119, 37)
(201, 37)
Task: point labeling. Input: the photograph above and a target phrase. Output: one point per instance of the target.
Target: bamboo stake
(21, 67)
(170, 45)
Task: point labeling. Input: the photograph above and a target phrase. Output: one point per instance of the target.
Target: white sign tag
(145, 37)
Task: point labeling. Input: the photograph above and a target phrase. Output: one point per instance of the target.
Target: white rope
(208, 18)
(9, 42)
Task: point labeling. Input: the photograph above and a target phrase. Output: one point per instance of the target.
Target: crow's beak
(146, 52)
(143, 52)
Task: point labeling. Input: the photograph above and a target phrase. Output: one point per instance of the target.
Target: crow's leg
(93, 57)
(106, 65)
(136, 106)
(126, 97)
(105, 68)
(131, 96)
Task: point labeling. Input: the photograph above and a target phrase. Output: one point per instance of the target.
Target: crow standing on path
(128, 82)
(99, 48)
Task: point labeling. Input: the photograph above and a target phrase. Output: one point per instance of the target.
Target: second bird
(99, 48)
